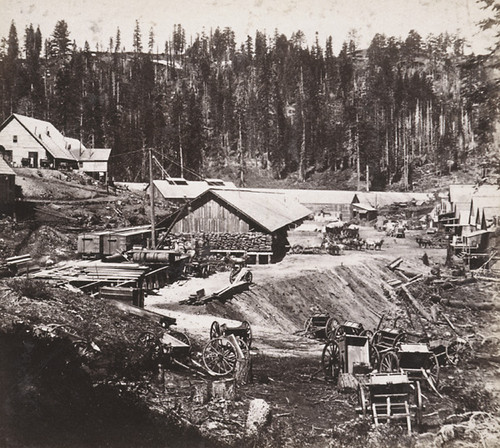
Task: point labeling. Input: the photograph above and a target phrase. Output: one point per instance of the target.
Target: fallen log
(417, 305)
(477, 306)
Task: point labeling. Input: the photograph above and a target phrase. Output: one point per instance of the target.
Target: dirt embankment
(285, 295)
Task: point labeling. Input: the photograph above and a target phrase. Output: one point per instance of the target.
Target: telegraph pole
(152, 200)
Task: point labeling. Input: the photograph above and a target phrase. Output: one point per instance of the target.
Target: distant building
(33, 143)
(178, 190)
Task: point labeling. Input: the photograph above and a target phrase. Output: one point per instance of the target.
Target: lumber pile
(249, 242)
(21, 264)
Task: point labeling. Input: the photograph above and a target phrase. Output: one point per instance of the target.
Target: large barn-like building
(239, 211)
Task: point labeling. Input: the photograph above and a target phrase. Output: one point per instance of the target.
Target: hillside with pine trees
(271, 104)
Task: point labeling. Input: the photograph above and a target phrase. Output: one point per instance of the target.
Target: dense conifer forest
(271, 101)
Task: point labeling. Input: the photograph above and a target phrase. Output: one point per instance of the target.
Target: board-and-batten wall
(211, 217)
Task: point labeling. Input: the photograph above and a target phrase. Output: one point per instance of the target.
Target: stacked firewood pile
(249, 242)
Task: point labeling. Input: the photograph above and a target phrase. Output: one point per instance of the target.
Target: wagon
(390, 397)
(388, 338)
(320, 325)
(351, 328)
(351, 354)
(449, 352)
(171, 346)
(416, 360)
(221, 354)
(242, 332)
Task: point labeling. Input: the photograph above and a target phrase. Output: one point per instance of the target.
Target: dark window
(14, 138)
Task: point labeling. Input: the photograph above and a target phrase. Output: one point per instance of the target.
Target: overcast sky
(97, 20)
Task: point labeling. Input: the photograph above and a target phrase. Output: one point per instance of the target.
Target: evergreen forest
(206, 101)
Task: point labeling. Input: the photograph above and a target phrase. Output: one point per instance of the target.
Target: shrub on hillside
(32, 289)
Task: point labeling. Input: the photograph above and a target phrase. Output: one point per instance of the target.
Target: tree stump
(201, 393)
(225, 389)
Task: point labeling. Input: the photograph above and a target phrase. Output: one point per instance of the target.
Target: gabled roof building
(30, 142)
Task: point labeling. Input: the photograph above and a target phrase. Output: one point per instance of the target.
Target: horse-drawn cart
(351, 328)
(350, 354)
(416, 360)
(320, 326)
(242, 333)
(391, 396)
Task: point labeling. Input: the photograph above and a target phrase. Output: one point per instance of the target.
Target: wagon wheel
(248, 277)
(308, 326)
(374, 355)
(248, 332)
(362, 400)
(367, 333)
(339, 333)
(331, 325)
(219, 357)
(455, 351)
(330, 360)
(298, 249)
(419, 404)
(181, 337)
(215, 331)
(375, 339)
(433, 370)
(401, 337)
(245, 348)
(146, 339)
(389, 362)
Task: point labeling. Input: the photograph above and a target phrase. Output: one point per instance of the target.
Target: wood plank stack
(22, 264)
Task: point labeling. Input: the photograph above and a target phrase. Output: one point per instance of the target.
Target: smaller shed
(364, 212)
(7, 186)
(92, 161)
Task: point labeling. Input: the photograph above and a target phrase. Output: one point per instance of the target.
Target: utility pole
(367, 177)
(152, 200)
(356, 142)
(181, 155)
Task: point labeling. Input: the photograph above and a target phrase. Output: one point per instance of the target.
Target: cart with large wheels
(416, 360)
(388, 397)
(350, 354)
(242, 332)
(221, 354)
(170, 347)
(320, 326)
(388, 338)
(351, 328)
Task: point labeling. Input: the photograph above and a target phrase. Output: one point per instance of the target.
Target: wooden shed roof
(267, 211)
(5, 168)
(272, 211)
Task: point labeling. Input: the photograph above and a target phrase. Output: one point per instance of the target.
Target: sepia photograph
(250, 224)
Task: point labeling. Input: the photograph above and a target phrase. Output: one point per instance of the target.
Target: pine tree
(151, 42)
(118, 41)
(137, 40)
